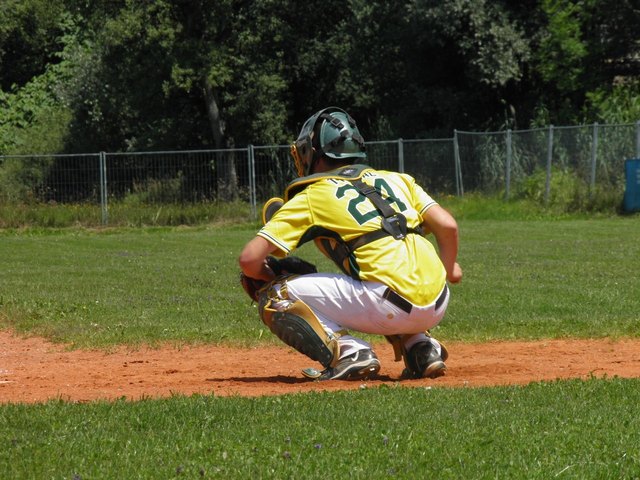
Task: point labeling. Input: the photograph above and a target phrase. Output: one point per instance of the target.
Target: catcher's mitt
(290, 265)
(252, 286)
(283, 266)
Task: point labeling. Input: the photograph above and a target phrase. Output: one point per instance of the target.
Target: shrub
(567, 192)
(21, 180)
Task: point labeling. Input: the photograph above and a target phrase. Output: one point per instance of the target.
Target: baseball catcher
(372, 225)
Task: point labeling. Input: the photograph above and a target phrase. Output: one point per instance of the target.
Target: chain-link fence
(592, 155)
(537, 162)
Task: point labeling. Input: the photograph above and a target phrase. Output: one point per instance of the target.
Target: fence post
(252, 180)
(102, 163)
(638, 139)
(508, 166)
(400, 156)
(458, 169)
(547, 186)
(594, 159)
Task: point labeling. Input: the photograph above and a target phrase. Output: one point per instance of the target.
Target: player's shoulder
(386, 173)
(391, 175)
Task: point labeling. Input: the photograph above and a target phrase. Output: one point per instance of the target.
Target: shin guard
(293, 322)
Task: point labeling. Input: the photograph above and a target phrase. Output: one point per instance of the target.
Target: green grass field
(573, 429)
(524, 279)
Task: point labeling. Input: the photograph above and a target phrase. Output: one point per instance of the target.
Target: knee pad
(293, 322)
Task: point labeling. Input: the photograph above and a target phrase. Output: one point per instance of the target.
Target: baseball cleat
(360, 365)
(444, 353)
(424, 361)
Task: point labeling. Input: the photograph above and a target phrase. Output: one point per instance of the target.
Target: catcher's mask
(330, 132)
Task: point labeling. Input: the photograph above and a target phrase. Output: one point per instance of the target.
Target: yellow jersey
(328, 209)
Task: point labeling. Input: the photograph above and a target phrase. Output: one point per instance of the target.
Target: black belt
(406, 305)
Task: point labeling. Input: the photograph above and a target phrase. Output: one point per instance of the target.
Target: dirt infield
(34, 370)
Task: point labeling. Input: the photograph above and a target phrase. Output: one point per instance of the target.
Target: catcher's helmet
(330, 132)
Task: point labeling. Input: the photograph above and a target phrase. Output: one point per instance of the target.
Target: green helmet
(330, 132)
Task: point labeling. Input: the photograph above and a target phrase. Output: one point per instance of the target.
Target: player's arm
(445, 228)
(253, 259)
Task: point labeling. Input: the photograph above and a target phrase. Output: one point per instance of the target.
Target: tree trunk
(225, 165)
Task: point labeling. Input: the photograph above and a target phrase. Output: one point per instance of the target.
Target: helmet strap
(344, 133)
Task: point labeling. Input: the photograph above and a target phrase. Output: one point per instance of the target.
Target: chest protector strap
(393, 223)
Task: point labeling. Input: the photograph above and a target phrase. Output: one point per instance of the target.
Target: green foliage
(567, 192)
(141, 208)
(25, 215)
(562, 49)
(483, 34)
(29, 31)
(564, 187)
(156, 191)
(34, 120)
(20, 180)
(610, 32)
(135, 210)
(619, 105)
(125, 75)
(35, 115)
(474, 206)
(463, 56)
(583, 49)
(166, 75)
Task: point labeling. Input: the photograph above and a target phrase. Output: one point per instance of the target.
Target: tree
(584, 50)
(406, 68)
(126, 75)
(29, 39)
(33, 115)
(180, 74)
(464, 57)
